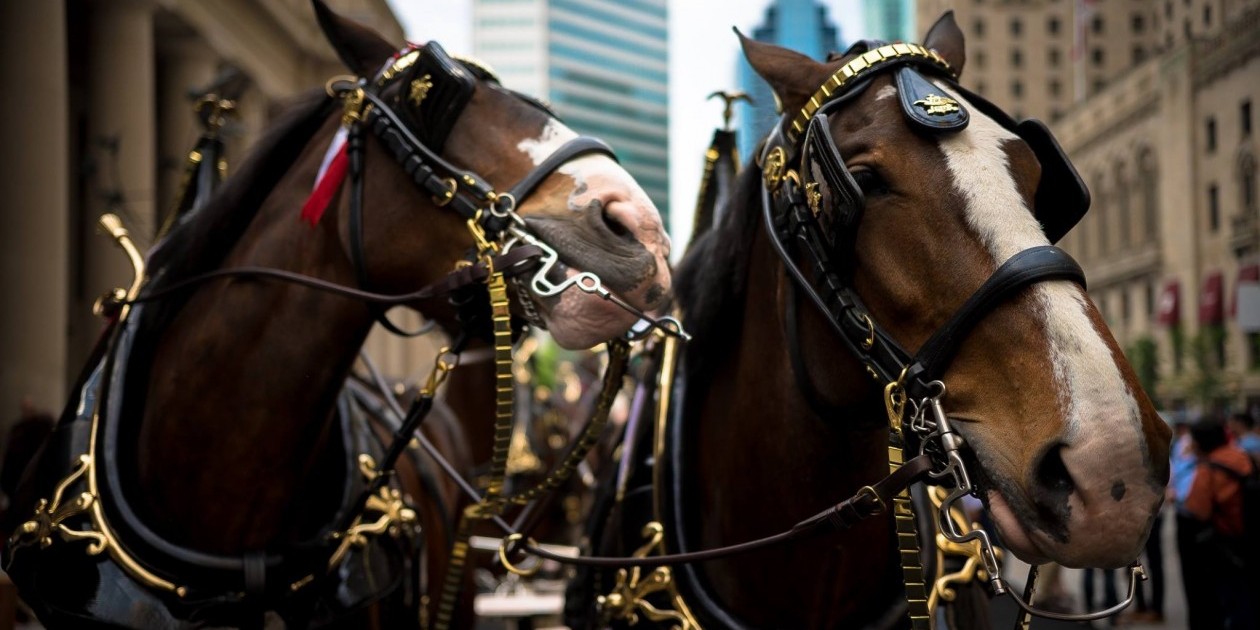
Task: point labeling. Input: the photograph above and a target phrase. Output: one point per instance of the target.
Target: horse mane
(201, 243)
(711, 280)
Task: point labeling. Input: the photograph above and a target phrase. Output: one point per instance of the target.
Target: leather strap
(570, 150)
(1033, 265)
(868, 501)
(520, 260)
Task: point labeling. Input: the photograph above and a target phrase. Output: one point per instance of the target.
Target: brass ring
(869, 342)
(451, 186)
(512, 539)
(328, 85)
(874, 495)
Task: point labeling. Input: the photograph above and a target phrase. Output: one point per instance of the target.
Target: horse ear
(360, 48)
(792, 76)
(947, 39)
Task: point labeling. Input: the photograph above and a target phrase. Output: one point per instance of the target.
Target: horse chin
(580, 320)
(1019, 540)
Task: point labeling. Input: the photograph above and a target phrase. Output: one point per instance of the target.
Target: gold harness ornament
(51, 513)
(628, 599)
(937, 105)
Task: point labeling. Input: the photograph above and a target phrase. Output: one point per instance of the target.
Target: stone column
(184, 65)
(120, 106)
(34, 183)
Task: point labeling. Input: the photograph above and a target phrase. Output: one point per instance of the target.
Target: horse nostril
(614, 222)
(1051, 476)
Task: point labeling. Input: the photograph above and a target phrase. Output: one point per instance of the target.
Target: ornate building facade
(1158, 115)
(99, 116)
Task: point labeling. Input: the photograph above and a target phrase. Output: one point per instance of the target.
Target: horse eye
(870, 182)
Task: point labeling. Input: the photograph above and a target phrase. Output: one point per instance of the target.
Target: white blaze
(585, 170)
(1092, 389)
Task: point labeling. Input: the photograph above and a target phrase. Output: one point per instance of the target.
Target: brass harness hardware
(628, 599)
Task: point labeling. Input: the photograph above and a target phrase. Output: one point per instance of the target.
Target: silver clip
(587, 282)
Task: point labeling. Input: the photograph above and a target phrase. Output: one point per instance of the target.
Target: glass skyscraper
(890, 20)
(801, 25)
(602, 64)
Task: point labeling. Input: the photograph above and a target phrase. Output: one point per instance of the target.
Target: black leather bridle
(792, 221)
(470, 195)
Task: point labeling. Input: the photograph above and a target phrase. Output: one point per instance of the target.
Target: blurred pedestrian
(1216, 500)
(1246, 437)
(1201, 609)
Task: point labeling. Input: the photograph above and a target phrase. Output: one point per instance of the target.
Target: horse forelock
(1091, 387)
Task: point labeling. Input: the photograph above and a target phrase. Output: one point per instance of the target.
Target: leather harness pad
(431, 111)
(1062, 199)
(926, 106)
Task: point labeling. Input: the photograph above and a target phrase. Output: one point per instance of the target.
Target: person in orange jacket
(1216, 499)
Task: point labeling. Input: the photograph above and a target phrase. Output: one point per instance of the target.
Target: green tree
(1143, 355)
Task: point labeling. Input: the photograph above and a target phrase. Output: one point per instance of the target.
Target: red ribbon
(326, 188)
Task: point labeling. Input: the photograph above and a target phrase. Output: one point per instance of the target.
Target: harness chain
(503, 384)
(493, 505)
(904, 517)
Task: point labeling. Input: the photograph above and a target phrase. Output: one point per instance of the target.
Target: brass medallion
(420, 89)
(773, 168)
(813, 197)
(937, 105)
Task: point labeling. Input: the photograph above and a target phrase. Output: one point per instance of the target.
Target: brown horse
(780, 418)
(230, 458)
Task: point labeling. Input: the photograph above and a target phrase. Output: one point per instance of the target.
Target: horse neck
(765, 460)
(233, 446)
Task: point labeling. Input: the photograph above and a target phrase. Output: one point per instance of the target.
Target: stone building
(98, 103)
(1161, 124)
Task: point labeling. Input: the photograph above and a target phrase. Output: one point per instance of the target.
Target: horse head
(588, 207)
(1071, 456)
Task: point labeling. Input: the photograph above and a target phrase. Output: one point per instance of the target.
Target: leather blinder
(432, 94)
(832, 194)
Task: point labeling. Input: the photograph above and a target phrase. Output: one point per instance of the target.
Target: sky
(702, 54)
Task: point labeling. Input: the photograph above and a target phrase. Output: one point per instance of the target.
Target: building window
(1139, 23)
(980, 88)
(979, 29)
(1149, 186)
(1017, 27)
(1054, 87)
(1207, 15)
(981, 58)
(1150, 299)
(1250, 197)
(1245, 112)
(1055, 114)
(1097, 24)
(1168, 9)
(1124, 306)
(1122, 205)
(1102, 216)
(1017, 59)
(1214, 209)
(1055, 57)
(1097, 54)
(1099, 85)
(1017, 90)
(1210, 132)
(1139, 55)
(1052, 25)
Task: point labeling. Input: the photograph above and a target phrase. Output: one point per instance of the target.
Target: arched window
(1148, 186)
(1101, 216)
(1120, 179)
